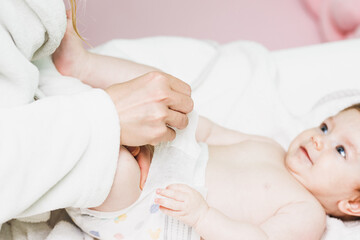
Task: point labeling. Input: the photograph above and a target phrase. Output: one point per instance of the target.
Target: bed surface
(243, 86)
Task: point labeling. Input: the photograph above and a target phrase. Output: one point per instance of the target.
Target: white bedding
(243, 86)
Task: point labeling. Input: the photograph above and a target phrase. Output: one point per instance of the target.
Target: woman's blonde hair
(73, 16)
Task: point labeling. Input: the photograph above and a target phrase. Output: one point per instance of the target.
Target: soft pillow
(337, 19)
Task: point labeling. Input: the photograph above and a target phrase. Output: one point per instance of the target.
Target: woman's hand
(143, 156)
(149, 106)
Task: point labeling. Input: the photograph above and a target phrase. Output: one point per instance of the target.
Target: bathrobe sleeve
(57, 152)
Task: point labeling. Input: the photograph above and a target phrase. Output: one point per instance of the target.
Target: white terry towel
(29, 30)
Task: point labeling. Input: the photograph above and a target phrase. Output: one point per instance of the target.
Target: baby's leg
(126, 186)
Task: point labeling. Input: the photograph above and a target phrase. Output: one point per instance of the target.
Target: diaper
(180, 161)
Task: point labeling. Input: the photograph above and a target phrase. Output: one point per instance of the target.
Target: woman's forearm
(103, 71)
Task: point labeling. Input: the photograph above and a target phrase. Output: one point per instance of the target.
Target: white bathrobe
(58, 151)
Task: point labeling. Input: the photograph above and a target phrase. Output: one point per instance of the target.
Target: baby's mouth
(303, 149)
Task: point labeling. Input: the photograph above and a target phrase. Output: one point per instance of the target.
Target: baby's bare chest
(249, 182)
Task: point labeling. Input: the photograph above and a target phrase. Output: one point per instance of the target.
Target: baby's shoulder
(269, 146)
(266, 141)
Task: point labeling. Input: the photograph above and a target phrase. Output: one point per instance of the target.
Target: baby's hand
(183, 203)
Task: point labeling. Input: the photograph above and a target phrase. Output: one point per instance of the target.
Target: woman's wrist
(84, 72)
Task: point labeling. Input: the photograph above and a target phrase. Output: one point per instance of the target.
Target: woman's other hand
(143, 156)
(150, 106)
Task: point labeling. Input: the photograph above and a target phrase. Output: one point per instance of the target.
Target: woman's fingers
(180, 102)
(133, 150)
(144, 160)
(176, 119)
(178, 86)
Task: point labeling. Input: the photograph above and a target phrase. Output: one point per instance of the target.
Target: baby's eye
(341, 151)
(324, 128)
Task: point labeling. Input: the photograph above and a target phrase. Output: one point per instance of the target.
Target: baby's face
(326, 159)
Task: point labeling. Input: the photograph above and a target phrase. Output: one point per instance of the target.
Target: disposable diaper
(180, 161)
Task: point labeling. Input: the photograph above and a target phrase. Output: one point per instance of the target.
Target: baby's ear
(350, 207)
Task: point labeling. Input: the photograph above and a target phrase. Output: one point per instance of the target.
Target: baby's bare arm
(187, 205)
(215, 225)
(295, 221)
(103, 71)
(214, 134)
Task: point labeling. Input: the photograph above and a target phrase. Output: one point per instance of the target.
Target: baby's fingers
(173, 194)
(170, 204)
(169, 212)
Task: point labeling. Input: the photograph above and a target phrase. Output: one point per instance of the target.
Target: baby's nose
(316, 140)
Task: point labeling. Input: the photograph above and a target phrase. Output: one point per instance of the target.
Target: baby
(255, 190)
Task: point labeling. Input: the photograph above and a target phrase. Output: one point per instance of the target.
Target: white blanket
(49, 149)
(243, 86)
(45, 23)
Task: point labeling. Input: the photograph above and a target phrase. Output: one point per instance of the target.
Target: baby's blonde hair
(354, 106)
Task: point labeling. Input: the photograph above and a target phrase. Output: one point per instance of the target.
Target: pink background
(277, 24)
